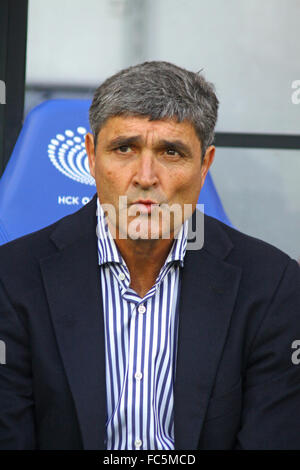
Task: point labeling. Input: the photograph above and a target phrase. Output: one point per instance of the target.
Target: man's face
(158, 161)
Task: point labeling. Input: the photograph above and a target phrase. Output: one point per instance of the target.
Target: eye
(172, 152)
(124, 148)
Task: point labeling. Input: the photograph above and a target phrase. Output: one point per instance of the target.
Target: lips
(145, 201)
(145, 206)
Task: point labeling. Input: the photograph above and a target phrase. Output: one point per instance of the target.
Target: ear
(207, 161)
(90, 150)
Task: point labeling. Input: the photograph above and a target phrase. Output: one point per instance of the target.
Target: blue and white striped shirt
(140, 346)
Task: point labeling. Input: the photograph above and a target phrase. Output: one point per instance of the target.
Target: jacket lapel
(72, 283)
(208, 291)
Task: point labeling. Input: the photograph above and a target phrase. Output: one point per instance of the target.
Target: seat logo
(67, 153)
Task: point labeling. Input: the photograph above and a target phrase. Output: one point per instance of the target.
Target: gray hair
(158, 90)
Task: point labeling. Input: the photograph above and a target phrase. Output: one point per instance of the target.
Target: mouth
(145, 206)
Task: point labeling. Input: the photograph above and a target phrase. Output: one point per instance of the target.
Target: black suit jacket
(239, 313)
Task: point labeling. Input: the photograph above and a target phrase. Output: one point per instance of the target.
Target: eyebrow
(123, 140)
(176, 145)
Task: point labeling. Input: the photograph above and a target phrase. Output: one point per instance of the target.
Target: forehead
(133, 125)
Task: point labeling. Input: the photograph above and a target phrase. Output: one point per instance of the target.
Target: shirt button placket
(141, 308)
(138, 443)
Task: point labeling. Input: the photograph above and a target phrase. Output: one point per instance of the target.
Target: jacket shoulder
(39, 242)
(19, 258)
(22, 255)
(249, 251)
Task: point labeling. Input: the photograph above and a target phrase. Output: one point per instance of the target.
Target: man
(118, 333)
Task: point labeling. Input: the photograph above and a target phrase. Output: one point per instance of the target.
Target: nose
(146, 172)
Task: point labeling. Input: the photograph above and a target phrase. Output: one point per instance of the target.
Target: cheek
(109, 178)
(187, 182)
(104, 172)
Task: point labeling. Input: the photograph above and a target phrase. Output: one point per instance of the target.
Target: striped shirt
(140, 346)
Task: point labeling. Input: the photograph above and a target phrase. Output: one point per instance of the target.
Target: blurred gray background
(249, 50)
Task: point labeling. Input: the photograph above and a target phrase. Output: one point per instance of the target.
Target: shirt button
(121, 276)
(138, 443)
(138, 375)
(142, 309)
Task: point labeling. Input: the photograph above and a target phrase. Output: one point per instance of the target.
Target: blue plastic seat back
(47, 176)
(212, 202)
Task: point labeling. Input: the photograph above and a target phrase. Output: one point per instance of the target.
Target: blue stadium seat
(47, 176)
(212, 202)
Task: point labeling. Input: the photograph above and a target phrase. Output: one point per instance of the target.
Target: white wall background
(250, 50)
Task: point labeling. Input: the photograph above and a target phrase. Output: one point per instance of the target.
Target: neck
(144, 259)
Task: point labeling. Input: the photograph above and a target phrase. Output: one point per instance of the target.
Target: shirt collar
(108, 251)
